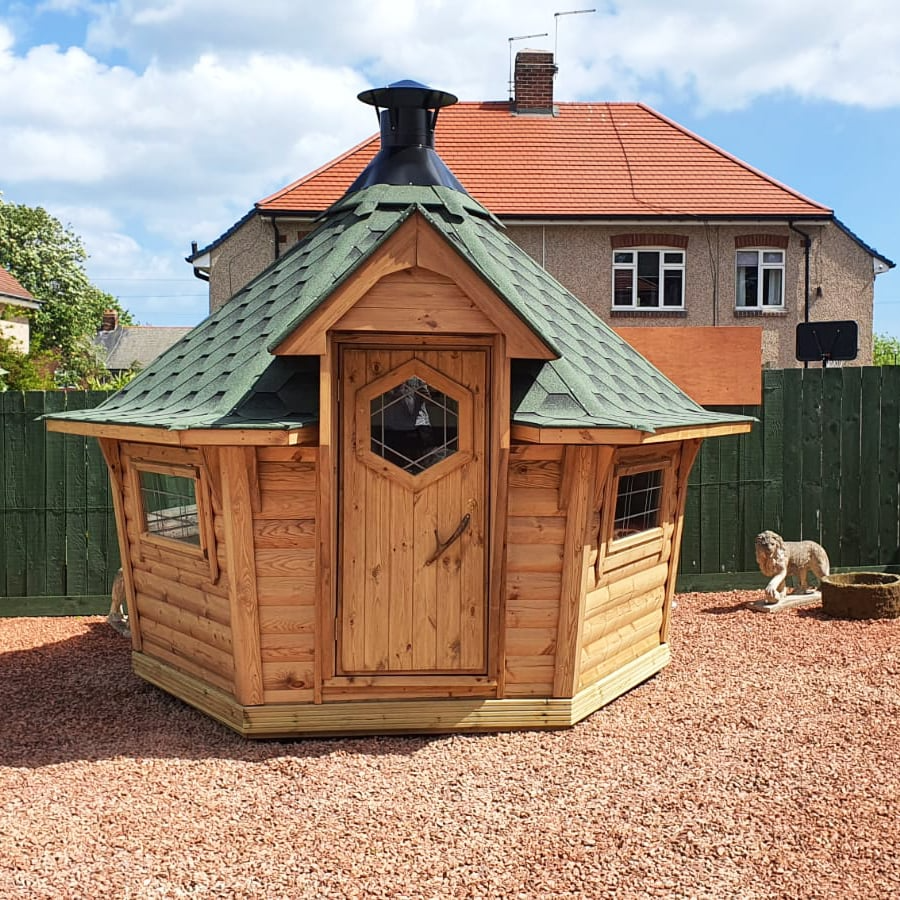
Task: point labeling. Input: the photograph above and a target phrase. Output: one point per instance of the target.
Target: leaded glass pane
(638, 503)
(414, 425)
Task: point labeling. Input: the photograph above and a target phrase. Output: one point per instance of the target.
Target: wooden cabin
(403, 481)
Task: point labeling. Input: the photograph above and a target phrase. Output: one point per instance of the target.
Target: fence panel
(57, 528)
(822, 464)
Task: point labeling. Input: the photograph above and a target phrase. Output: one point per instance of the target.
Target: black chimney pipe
(407, 113)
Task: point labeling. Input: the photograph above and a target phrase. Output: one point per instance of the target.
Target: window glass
(170, 506)
(672, 288)
(638, 503)
(622, 287)
(623, 257)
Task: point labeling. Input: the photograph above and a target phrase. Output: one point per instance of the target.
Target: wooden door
(413, 512)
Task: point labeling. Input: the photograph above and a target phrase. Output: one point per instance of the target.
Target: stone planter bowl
(861, 595)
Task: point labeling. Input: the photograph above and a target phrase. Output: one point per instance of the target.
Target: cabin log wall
(536, 533)
(285, 541)
(629, 581)
(183, 616)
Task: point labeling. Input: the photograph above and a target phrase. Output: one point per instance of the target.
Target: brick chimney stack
(534, 82)
(110, 320)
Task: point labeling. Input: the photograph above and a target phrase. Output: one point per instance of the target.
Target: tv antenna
(571, 12)
(521, 37)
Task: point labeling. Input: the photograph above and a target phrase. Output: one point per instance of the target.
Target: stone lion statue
(778, 558)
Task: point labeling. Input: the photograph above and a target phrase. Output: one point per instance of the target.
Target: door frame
(329, 685)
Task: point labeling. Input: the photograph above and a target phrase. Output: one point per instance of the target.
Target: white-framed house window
(648, 278)
(759, 279)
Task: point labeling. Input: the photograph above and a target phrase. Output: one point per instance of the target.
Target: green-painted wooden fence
(57, 531)
(823, 464)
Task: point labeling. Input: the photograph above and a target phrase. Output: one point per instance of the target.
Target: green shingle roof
(223, 374)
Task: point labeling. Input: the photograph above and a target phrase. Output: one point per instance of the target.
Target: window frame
(761, 268)
(649, 544)
(205, 549)
(663, 267)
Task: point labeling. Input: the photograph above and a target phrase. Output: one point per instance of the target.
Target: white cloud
(176, 116)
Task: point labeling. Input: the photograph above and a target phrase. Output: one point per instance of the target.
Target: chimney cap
(407, 94)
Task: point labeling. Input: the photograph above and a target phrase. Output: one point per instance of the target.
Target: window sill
(751, 312)
(648, 313)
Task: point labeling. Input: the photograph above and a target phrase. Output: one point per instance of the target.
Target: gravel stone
(761, 763)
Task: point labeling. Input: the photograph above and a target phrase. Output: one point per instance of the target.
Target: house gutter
(200, 273)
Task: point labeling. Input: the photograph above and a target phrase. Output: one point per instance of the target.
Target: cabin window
(638, 503)
(414, 425)
(648, 279)
(170, 506)
(759, 280)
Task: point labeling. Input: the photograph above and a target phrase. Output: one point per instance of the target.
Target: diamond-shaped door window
(414, 425)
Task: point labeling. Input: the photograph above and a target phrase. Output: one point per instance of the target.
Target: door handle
(445, 546)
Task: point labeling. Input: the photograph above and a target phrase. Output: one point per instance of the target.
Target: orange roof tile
(591, 160)
(10, 287)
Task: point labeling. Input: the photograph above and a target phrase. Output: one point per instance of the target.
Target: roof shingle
(223, 374)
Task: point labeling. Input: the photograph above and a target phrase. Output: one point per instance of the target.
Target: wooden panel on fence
(731, 524)
(810, 440)
(76, 506)
(869, 429)
(772, 426)
(752, 479)
(14, 481)
(690, 542)
(848, 485)
(889, 466)
(791, 454)
(716, 365)
(99, 526)
(832, 514)
(710, 506)
(57, 446)
(35, 491)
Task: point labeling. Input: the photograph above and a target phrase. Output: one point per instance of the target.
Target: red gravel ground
(763, 762)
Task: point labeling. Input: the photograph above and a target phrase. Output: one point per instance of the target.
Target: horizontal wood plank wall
(416, 300)
(284, 536)
(624, 607)
(536, 530)
(183, 610)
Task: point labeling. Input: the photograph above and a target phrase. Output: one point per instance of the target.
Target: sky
(145, 125)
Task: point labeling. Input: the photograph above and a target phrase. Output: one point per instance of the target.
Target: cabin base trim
(420, 716)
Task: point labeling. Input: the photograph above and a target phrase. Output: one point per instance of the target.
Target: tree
(887, 351)
(48, 261)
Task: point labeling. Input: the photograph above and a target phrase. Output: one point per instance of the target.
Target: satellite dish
(827, 341)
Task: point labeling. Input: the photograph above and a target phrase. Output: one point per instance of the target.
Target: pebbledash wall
(842, 281)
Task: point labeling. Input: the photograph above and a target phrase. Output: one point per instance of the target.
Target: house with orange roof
(646, 222)
(14, 300)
